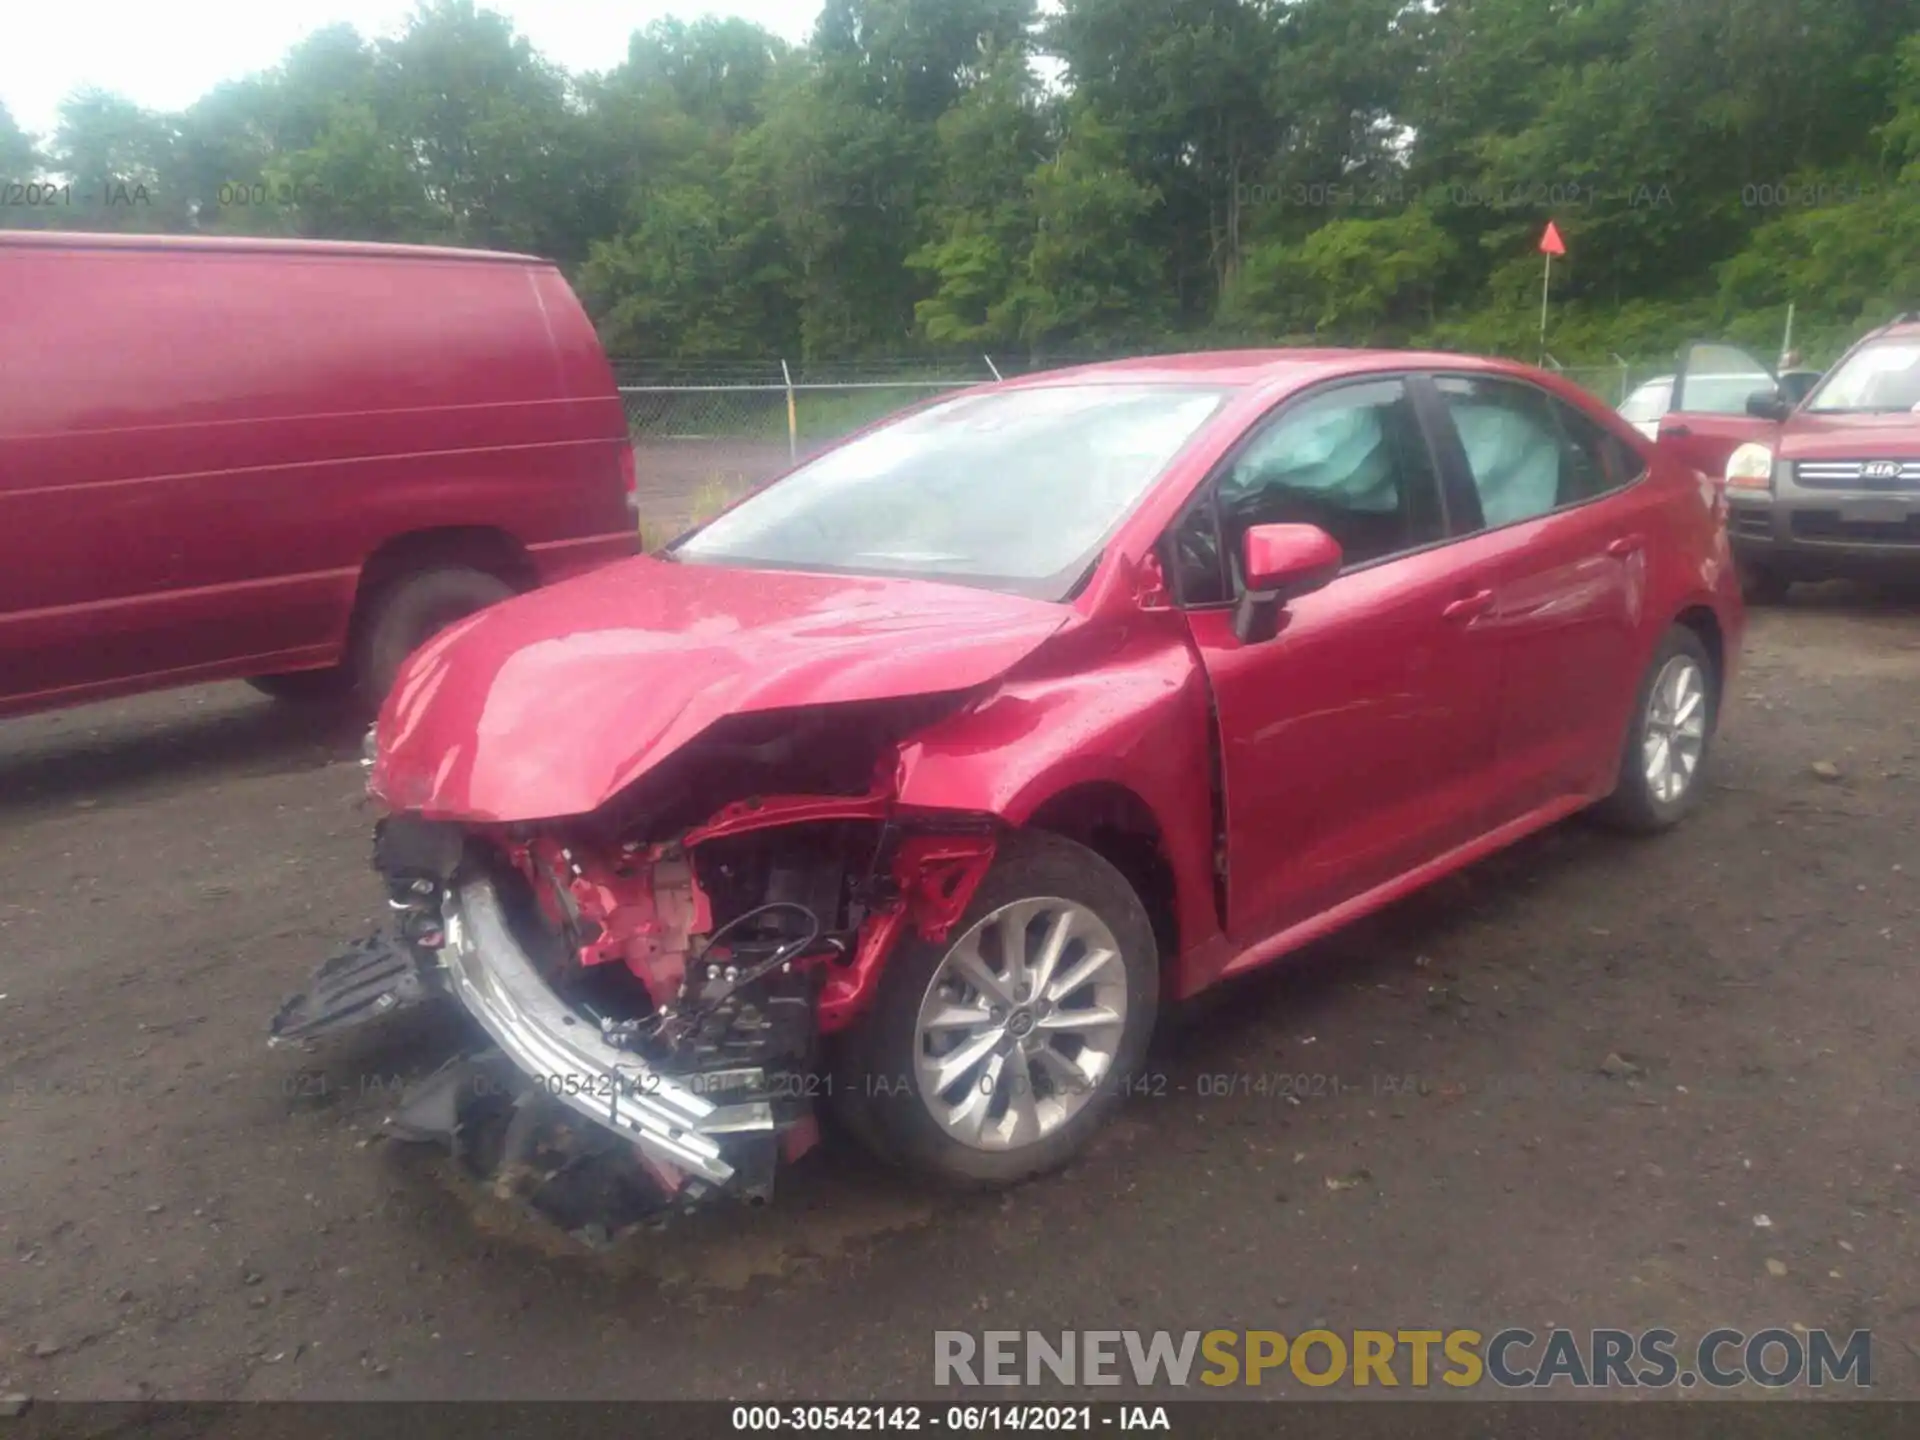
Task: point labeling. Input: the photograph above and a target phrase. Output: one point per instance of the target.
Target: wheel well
(1118, 826)
(1705, 624)
(476, 547)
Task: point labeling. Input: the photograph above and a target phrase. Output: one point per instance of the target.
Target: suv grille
(1827, 525)
(1857, 474)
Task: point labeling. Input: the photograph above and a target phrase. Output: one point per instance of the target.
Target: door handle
(1678, 430)
(1626, 547)
(1469, 607)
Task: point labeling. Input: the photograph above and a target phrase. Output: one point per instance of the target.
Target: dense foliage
(974, 175)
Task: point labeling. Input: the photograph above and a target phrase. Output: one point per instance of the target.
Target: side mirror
(1280, 563)
(1768, 405)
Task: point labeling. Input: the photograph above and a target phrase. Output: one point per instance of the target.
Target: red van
(285, 461)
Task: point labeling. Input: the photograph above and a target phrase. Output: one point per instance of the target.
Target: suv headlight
(1750, 468)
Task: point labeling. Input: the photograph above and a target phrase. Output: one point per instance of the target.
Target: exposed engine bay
(669, 968)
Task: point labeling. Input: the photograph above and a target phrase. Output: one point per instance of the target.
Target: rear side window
(1528, 453)
(1607, 461)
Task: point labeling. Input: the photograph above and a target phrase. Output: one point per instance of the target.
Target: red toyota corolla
(917, 781)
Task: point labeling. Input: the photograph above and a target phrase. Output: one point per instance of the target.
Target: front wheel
(995, 1055)
(1672, 730)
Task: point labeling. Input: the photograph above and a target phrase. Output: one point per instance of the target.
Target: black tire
(1761, 586)
(1633, 806)
(407, 612)
(875, 1092)
(332, 686)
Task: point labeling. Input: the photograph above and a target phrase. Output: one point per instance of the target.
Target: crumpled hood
(552, 703)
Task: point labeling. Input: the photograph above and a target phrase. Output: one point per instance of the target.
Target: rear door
(1558, 499)
(1708, 420)
(1354, 743)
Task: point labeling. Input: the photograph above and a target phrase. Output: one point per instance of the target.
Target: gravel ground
(184, 1213)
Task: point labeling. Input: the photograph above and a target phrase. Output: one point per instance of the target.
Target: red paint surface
(202, 442)
(1406, 718)
(552, 703)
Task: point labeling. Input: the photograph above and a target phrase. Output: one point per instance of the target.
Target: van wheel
(408, 612)
(307, 687)
(1667, 743)
(996, 1054)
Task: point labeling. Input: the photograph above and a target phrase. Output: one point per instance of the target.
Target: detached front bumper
(695, 1133)
(564, 1055)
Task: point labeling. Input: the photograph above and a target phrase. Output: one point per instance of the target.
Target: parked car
(1825, 488)
(916, 782)
(285, 460)
(1644, 408)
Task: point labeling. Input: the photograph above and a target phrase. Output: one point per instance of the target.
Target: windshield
(1649, 402)
(1881, 376)
(1009, 490)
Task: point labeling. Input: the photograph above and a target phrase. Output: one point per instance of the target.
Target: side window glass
(1624, 463)
(1717, 379)
(1529, 453)
(1352, 461)
(1648, 403)
(1191, 556)
(1590, 463)
(1512, 443)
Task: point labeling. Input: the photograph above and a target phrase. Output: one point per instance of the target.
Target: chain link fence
(1614, 382)
(705, 434)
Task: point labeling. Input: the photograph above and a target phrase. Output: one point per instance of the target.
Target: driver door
(1357, 742)
(1708, 418)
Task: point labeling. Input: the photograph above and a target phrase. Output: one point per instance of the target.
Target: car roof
(1247, 368)
(84, 240)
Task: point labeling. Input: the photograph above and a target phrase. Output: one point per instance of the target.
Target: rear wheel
(409, 611)
(1667, 743)
(995, 1055)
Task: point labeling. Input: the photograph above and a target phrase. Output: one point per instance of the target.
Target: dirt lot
(186, 1214)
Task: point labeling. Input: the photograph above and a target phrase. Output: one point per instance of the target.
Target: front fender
(1130, 709)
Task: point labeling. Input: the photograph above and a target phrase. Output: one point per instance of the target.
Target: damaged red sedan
(915, 783)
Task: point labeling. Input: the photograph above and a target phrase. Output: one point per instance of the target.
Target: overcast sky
(165, 54)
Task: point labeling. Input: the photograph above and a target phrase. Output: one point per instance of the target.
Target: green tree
(120, 159)
(20, 159)
(1352, 279)
(915, 58)
(979, 214)
(1187, 84)
(1090, 272)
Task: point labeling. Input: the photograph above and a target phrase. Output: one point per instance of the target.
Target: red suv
(917, 781)
(1825, 488)
(289, 461)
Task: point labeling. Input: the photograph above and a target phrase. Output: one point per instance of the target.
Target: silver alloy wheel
(1676, 730)
(1021, 1023)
